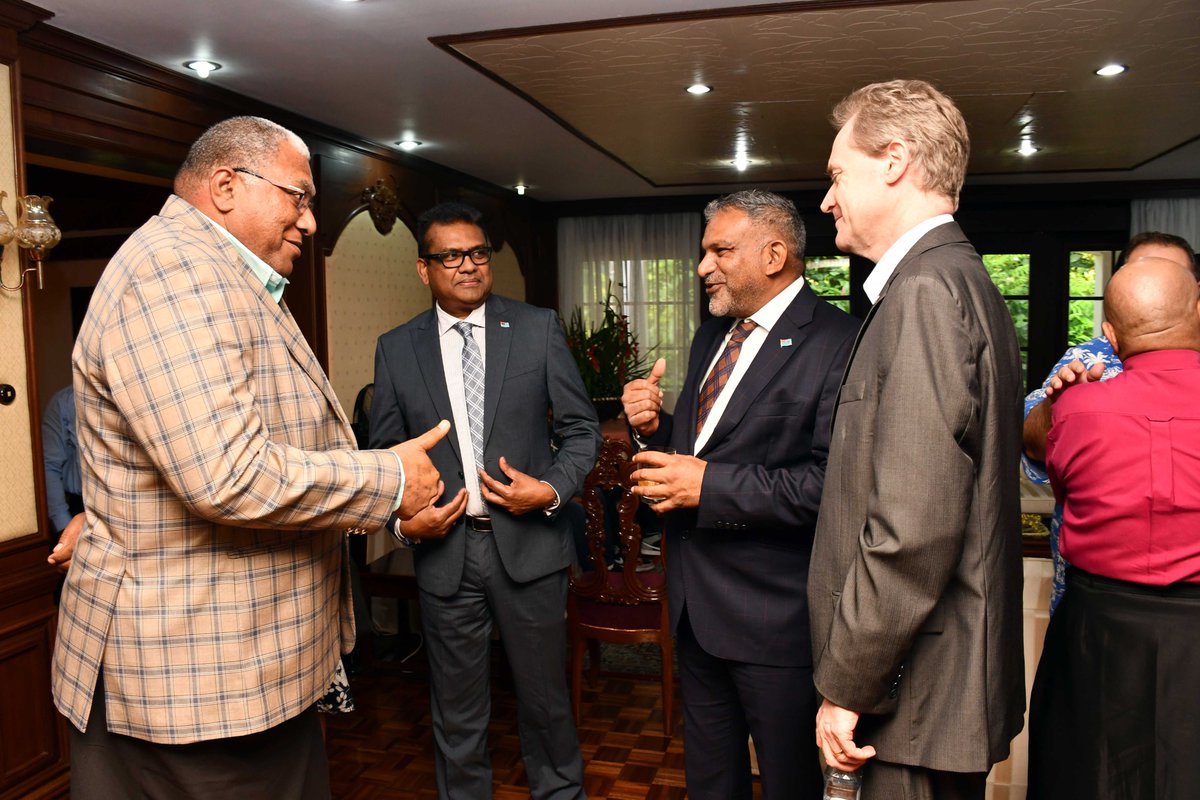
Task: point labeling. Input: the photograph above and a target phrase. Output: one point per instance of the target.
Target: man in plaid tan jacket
(207, 601)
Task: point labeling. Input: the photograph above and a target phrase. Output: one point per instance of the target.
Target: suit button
(460, 473)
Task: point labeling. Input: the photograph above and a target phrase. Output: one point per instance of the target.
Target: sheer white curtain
(1179, 216)
(649, 262)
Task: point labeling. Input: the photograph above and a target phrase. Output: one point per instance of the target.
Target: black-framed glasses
(304, 200)
(453, 259)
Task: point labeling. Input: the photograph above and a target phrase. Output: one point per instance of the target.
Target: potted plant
(607, 355)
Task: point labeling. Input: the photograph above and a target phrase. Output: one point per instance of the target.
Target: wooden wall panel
(33, 740)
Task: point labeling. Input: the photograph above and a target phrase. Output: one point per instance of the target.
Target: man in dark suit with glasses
(492, 550)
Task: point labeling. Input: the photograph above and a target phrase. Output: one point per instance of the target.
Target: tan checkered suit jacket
(220, 475)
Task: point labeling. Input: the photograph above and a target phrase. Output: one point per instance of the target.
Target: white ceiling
(369, 68)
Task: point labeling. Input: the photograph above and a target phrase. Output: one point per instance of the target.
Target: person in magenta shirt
(1115, 708)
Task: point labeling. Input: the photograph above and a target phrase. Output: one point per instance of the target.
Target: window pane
(1010, 272)
(829, 276)
(1019, 309)
(1083, 320)
(1089, 274)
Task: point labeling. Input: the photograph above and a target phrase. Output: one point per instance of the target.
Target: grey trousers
(883, 780)
(458, 632)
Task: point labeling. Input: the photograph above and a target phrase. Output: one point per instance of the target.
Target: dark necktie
(472, 369)
(716, 379)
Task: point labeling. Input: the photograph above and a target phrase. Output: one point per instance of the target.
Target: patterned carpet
(383, 751)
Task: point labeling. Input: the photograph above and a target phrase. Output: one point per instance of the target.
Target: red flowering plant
(607, 355)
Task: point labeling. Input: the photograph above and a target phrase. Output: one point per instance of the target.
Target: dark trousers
(286, 762)
(458, 639)
(1115, 708)
(724, 703)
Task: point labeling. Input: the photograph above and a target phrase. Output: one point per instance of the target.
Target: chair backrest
(611, 476)
(360, 421)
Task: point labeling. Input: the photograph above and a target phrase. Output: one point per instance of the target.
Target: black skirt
(1115, 709)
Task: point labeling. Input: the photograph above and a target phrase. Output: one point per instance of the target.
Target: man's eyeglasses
(453, 259)
(304, 200)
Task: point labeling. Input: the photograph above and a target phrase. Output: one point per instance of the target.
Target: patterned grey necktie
(472, 370)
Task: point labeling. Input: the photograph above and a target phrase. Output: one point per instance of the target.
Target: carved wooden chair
(626, 607)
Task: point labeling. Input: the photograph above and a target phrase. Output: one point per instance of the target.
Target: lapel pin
(785, 342)
(504, 324)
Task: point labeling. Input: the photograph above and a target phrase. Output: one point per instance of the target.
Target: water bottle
(841, 785)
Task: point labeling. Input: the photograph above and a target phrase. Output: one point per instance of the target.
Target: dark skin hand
(434, 521)
(525, 493)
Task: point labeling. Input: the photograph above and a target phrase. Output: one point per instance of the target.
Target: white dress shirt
(452, 347)
(873, 285)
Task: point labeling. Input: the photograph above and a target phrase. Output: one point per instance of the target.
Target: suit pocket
(852, 391)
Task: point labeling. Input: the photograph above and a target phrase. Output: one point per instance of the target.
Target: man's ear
(423, 270)
(221, 189)
(898, 161)
(776, 258)
(1110, 333)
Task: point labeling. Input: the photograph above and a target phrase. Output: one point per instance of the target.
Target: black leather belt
(480, 524)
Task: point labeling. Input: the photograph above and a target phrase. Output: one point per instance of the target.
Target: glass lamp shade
(36, 230)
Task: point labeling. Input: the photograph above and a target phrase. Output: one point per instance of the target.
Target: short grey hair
(250, 142)
(767, 210)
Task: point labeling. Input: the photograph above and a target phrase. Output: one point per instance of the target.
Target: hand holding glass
(646, 482)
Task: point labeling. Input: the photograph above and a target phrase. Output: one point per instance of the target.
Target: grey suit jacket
(915, 582)
(529, 374)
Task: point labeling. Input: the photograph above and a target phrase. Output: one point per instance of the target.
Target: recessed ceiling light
(202, 67)
(520, 187)
(699, 88)
(408, 145)
(1027, 148)
(741, 162)
(1108, 70)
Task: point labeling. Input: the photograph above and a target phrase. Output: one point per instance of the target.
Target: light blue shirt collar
(271, 280)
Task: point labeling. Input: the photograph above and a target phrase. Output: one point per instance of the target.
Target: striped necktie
(472, 370)
(716, 379)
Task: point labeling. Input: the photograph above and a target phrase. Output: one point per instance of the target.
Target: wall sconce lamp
(35, 231)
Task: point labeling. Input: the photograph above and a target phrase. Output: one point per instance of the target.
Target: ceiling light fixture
(1027, 148)
(1108, 70)
(202, 67)
(699, 88)
(741, 162)
(408, 145)
(520, 187)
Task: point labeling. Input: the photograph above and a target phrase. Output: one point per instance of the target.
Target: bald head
(1152, 304)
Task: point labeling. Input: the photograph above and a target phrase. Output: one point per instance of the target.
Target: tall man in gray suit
(915, 585)
(492, 549)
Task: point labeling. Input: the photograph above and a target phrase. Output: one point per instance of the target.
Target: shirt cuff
(400, 496)
(552, 509)
(400, 537)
